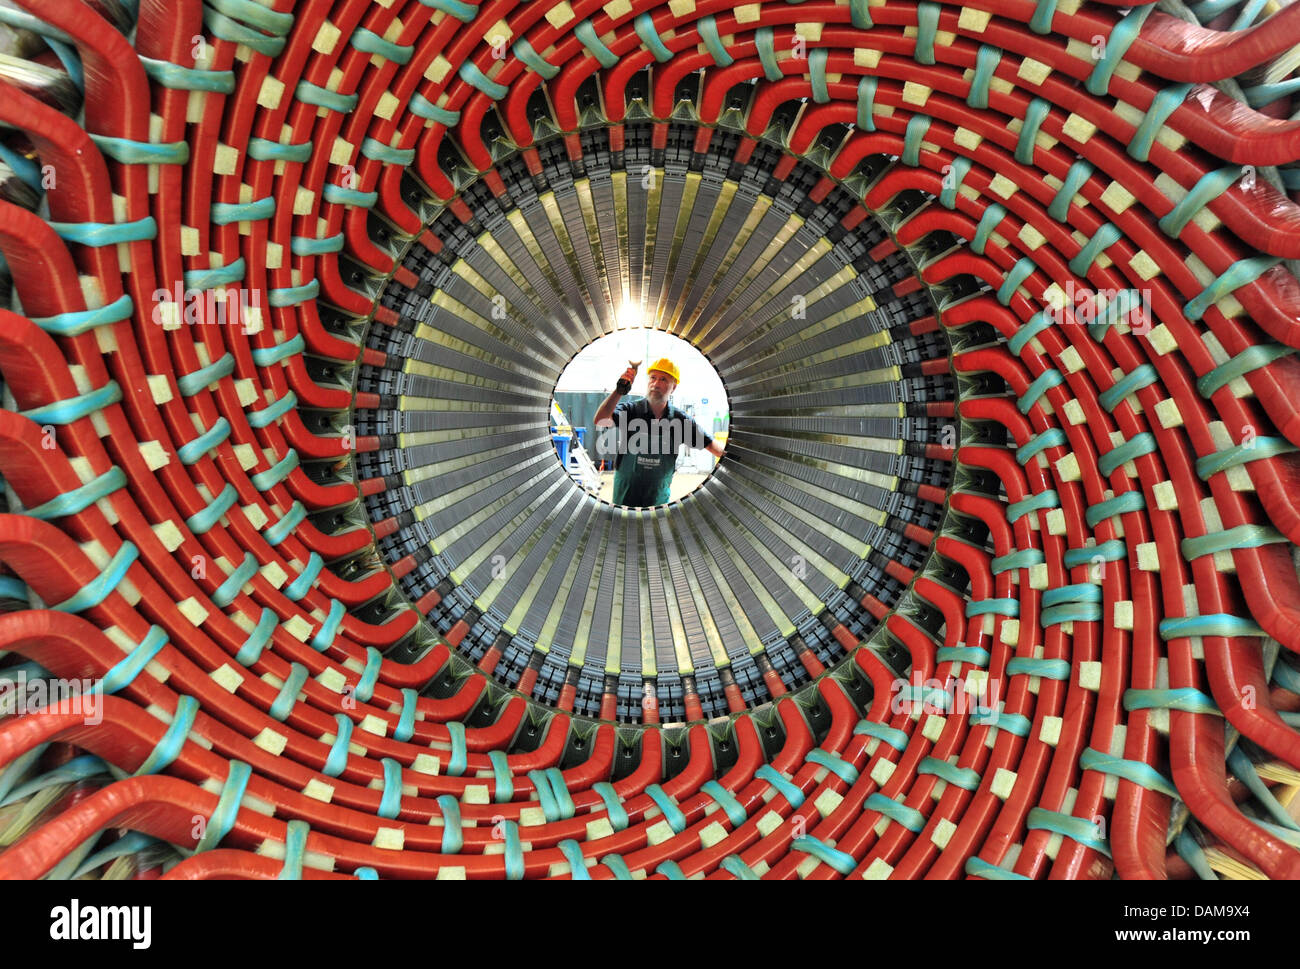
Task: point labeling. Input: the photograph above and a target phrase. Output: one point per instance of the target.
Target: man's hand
(624, 384)
(715, 449)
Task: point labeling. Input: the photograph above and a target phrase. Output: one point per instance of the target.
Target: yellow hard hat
(664, 365)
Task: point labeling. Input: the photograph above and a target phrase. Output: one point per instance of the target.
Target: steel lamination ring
(994, 581)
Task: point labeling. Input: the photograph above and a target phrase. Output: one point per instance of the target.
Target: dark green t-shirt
(647, 451)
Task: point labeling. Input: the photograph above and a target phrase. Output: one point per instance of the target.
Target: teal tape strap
(226, 213)
(1052, 437)
(866, 120)
(471, 75)
(1144, 775)
(178, 78)
(1041, 21)
(453, 835)
(390, 804)
(129, 844)
(927, 25)
(1043, 500)
(1249, 360)
(644, 26)
(295, 847)
(860, 14)
(227, 809)
(1118, 310)
(1135, 447)
(23, 167)
(1121, 504)
(365, 688)
(952, 179)
(1012, 723)
(81, 321)
(986, 62)
(338, 755)
(1286, 677)
(817, 74)
(320, 97)
(11, 588)
(964, 777)
(514, 855)
(1121, 38)
(107, 233)
(1042, 383)
(994, 607)
(979, 868)
(891, 735)
(841, 861)
(1244, 770)
(1205, 191)
(217, 276)
(1020, 559)
(765, 42)
(169, 747)
(459, 759)
(910, 818)
(293, 295)
(281, 530)
(1070, 612)
(738, 869)
(251, 651)
(1186, 699)
(329, 629)
(963, 654)
(1080, 830)
(917, 126)
(1111, 551)
(504, 779)
(1022, 270)
(1105, 237)
(1162, 106)
(837, 766)
(572, 852)
(727, 801)
(273, 411)
(260, 149)
(255, 15)
(300, 586)
(366, 874)
(226, 29)
(1075, 178)
(990, 220)
(1262, 95)
(672, 813)
(1035, 114)
(99, 588)
(1192, 853)
(613, 806)
(1048, 669)
(933, 697)
(79, 499)
(338, 195)
(79, 768)
(783, 787)
(560, 789)
(129, 152)
(191, 383)
(405, 728)
(618, 866)
(369, 42)
(1233, 278)
(545, 796)
(272, 476)
(462, 11)
(125, 671)
(1210, 624)
(708, 28)
(589, 39)
(1256, 449)
(421, 107)
(1143, 375)
(535, 61)
(237, 579)
(1037, 323)
(378, 151)
(192, 451)
(289, 690)
(306, 246)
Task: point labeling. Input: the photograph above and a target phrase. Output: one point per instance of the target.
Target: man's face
(660, 385)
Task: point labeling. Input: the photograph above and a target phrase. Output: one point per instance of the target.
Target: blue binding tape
(251, 651)
(672, 813)
(281, 530)
(459, 759)
(295, 846)
(169, 747)
(228, 589)
(910, 818)
(79, 499)
(227, 810)
(390, 804)
(453, 837)
(365, 688)
(289, 690)
(783, 787)
(405, 728)
(337, 759)
(329, 629)
(98, 589)
(572, 852)
(613, 806)
(504, 780)
(125, 671)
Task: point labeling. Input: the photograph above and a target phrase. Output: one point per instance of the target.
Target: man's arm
(715, 449)
(605, 412)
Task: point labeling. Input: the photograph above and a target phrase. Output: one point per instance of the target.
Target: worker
(650, 431)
